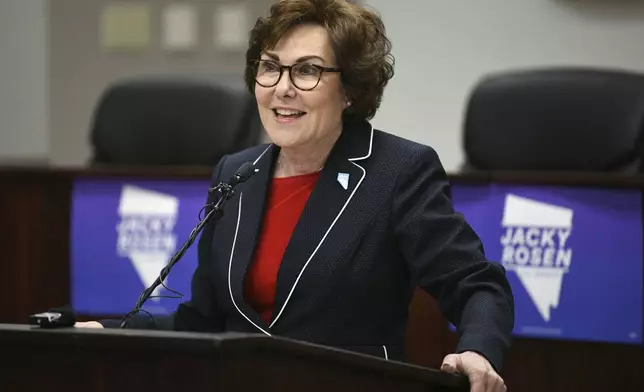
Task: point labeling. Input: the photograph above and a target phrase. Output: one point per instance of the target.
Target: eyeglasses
(305, 76)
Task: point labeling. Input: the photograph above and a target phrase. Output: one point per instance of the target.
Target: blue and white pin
(343, 179)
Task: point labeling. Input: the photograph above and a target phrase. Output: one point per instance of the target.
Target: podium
(107, 360)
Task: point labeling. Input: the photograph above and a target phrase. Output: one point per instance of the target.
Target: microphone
(245, 171)
(226, 190)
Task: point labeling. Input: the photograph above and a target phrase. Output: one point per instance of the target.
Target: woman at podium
(341, 222)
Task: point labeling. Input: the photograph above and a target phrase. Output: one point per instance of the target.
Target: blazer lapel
(339, 180)
(250, 210)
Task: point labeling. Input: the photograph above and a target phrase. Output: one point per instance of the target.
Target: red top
(286, 200)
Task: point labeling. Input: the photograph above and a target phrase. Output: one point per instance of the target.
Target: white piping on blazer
(232, 253)
(364, 174)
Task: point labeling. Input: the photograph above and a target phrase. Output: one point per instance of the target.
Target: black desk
(35, 209)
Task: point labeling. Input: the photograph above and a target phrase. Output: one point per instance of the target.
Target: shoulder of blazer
(401, 152)
(381, 147)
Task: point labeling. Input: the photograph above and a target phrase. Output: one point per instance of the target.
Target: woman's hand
(88, 324)
(478, 370)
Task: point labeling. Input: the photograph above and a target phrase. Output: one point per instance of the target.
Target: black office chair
(565, 119)
(173, 120)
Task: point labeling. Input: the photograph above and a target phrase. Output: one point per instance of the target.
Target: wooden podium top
(226, 346)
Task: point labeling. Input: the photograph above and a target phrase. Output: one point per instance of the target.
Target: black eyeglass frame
(290, 74)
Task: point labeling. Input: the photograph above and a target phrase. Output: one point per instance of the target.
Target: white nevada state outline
(543, 283)
(152, 209)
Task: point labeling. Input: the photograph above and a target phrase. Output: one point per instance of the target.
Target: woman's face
(293, 117)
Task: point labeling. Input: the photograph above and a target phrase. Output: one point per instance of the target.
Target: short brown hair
(360, 45)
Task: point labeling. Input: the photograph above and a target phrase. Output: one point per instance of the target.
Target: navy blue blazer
(357, 253)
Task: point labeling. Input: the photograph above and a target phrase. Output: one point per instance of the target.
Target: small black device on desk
(53, 318)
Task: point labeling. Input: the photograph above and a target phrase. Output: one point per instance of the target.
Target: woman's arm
(446, 257)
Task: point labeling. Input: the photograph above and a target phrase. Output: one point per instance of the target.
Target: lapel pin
(343, 179)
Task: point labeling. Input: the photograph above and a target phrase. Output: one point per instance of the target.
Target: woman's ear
(347, 99)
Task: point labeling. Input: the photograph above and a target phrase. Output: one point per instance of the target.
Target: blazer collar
(339, 180)
(354, 143)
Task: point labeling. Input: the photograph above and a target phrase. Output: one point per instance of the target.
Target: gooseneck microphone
(242, 174)
(226, 191)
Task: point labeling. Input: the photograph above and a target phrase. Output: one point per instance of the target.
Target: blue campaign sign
(573, 256)
(123, 233)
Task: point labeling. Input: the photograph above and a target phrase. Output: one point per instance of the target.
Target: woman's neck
(304, 159)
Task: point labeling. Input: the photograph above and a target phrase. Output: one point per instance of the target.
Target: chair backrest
(568, 119)
(173, 120)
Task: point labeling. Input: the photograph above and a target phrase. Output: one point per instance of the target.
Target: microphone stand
(227, 191)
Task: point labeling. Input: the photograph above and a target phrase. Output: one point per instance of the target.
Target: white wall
(443, 47)
(81, 69)
(24, 130)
